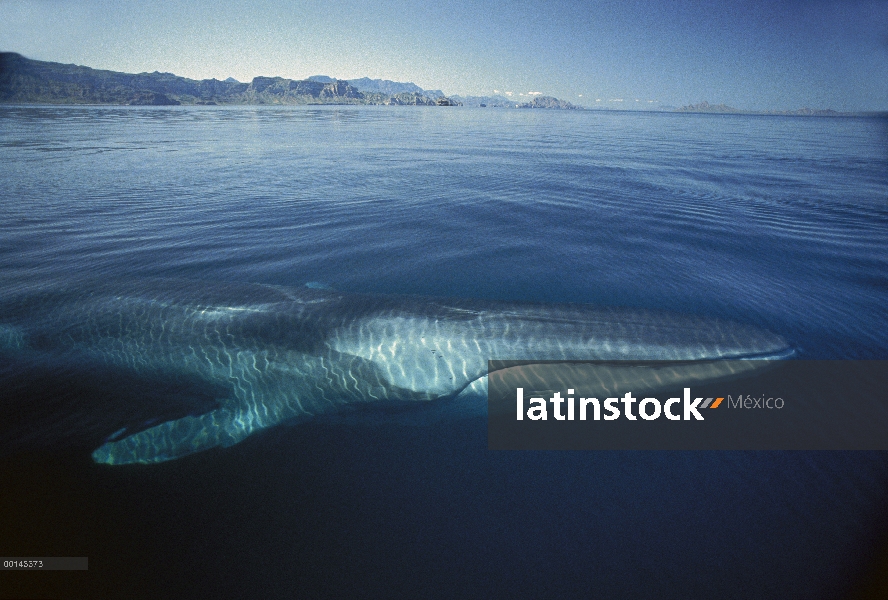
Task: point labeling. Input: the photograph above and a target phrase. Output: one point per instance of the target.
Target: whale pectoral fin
(476, 388)
(174, 439)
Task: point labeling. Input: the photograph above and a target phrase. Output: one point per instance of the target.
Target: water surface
(778, 222)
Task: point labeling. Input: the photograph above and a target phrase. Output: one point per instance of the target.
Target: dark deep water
(774, 221)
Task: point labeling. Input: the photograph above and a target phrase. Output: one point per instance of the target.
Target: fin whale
(270, 354)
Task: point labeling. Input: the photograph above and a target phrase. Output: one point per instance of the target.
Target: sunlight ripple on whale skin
(279, 354)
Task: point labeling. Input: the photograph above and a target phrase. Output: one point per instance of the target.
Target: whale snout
(595, 333)
(751, 342)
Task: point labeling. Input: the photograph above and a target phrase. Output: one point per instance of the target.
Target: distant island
(706, 107)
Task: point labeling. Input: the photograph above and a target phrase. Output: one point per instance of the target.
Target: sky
(750, 54)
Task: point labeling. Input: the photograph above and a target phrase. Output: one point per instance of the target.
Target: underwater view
(169, 276)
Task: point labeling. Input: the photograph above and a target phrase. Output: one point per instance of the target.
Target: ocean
(777, 222)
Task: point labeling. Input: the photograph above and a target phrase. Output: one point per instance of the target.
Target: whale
(269, 354)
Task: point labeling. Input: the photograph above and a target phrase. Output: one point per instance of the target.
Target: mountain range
(26, 81)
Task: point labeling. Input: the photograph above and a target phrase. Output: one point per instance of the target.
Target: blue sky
(752, 54)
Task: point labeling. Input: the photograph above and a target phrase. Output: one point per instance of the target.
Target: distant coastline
(27, 81)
